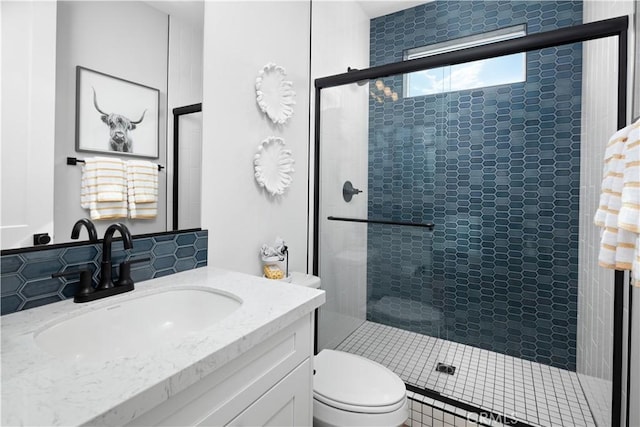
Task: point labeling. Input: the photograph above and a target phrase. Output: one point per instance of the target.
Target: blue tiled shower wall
(26, 275)
(497, 170)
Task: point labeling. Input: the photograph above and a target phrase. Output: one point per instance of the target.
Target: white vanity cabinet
(269, 384)
(252, 367)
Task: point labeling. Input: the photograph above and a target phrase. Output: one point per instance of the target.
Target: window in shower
(471, 75)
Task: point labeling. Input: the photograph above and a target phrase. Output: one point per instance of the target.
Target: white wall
(634, 395)
(123, 39)
(634, 392)
(340, 39)
(634, 409)
(239, 39)
(185, 88)
(636, 68)
(28, 93)
(190, 171)
(595, 291)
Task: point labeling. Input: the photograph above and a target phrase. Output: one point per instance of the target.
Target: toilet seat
(328, 416)
(359, 409)
(355, 384)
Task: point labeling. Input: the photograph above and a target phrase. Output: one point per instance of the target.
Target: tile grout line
(407, 352)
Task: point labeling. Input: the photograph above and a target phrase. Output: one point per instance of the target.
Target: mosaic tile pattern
(537, 394)
(497, 170)
(26, 277)
(427, 412)
(439, 21)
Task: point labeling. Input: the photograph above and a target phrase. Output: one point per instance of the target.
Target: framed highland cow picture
(115, 115)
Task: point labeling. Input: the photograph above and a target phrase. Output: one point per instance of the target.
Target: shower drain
(447, 369)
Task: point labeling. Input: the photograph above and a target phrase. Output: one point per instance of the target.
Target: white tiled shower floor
(537, 394)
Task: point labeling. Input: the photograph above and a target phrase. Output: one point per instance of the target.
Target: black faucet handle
(85, 274)
(124, 277)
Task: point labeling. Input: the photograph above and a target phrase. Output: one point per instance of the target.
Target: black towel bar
(72, 161)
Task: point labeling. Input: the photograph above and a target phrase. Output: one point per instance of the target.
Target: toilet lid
(353, 383)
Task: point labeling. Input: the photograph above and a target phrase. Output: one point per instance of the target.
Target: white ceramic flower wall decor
(274, 94)
(273, 165)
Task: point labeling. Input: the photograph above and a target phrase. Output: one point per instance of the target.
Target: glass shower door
(375, 250)
(464, 261)
(343, 245)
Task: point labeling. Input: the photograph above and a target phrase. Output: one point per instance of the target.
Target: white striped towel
(619, 210)
(108, 210)
(142, 189)
(629, 217)
(104, 179)
(142, 181)
(143, 210)
(103, 188)
(610, 202)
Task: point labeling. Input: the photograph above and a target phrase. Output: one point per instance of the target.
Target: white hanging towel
(142, 181)
(629, 217)
(143, 210)
(103, 188)
(142, 189)
(619, 211)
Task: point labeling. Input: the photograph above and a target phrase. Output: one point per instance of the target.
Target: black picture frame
(116, 116)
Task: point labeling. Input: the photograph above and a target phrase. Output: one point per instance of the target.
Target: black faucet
(105, 266)
(106, 287)
(91, 229)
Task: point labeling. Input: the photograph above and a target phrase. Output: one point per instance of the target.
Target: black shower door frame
(615, 27)
(177, 113)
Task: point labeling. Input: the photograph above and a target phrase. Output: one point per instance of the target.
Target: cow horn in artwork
(95, 103)
(138, 122)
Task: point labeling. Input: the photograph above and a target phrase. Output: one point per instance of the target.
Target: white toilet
(350, 390)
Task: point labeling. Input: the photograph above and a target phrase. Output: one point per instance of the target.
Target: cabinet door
(288, 403)
(218, 398)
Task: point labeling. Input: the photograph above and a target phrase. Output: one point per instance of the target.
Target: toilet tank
(303, 279)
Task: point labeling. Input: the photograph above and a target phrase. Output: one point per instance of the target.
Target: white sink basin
(136, 325)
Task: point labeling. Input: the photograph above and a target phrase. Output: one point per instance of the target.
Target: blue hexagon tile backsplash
(26, 276)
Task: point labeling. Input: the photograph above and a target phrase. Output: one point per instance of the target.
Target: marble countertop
(40, 389)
